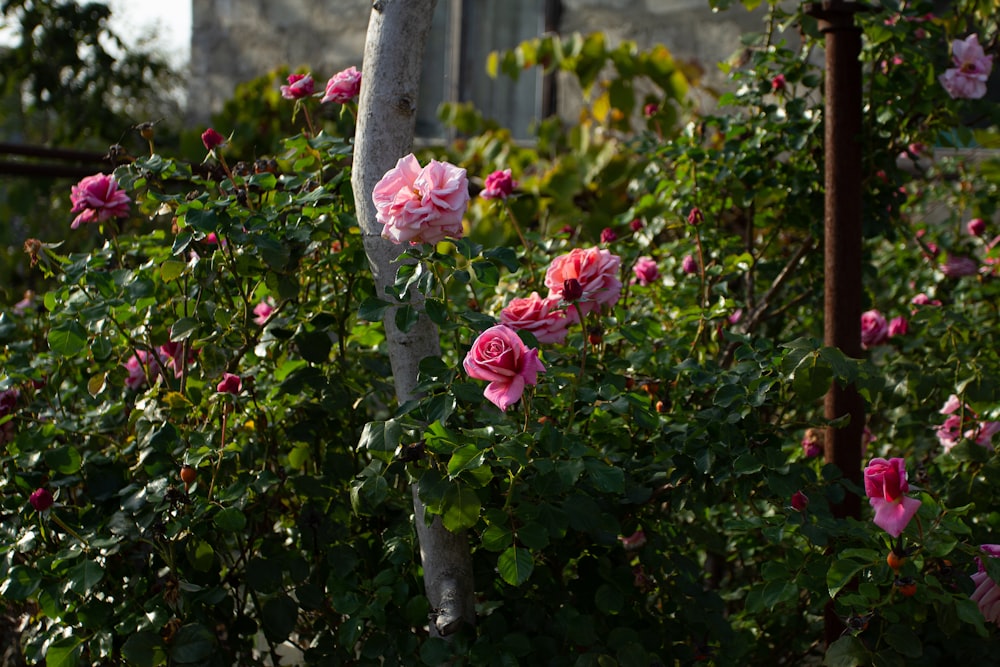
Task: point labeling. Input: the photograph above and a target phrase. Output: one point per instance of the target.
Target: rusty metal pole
(842, 245)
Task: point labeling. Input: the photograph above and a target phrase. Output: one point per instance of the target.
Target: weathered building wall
(237, 40)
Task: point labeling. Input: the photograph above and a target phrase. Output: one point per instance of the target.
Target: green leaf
(192, 644)
(372, 309)
(182, 329)
(144, 649)
(22, 582)
(515, 565)
(231, 520)
(314, 346)
(497, 538)
(968, 611)
(171, 269)
(63, 652)
(464, 458)
(279, 617)
(65, 460)
(609, 599)
(67, 338)
(848, 651)
(406, 317)
(201, 554)
(84, 576)
(460, 508)
(841, 573)
(904, 640)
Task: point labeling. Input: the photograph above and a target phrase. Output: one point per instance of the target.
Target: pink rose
(98, 198)
(812, 442)
(633, 542)
(983, 434)
(886, 486)
(41, 499)
(230, 384)
(778, 83)
(137, 365)
(898, 326)
(646, 271)
(874, 329)
(924, 300)
(500, 357)
(608, 235)
(696, 217)
(541, 317)
(421, 204)
(950, 432)
(800, 501)
(499, 185)
(262, 311)
(343, 86)
(170, 355)
(596, 269)
(976, 226)
(967, 80)
(987, 592)
(689, 265)
(212, 139)
(299, 86)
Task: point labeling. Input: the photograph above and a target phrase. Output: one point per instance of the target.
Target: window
(463, 34)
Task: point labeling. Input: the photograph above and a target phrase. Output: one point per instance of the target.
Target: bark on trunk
(397, 32)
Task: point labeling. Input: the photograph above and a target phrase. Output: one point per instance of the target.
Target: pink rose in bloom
(633, 542)
(812, 442)
(874, 329)
(983, 434)
(501, 358)
(596, 269)
(299, 86)
(967, 79)
(953, 404)
(343, 86)
(499, 185)
(212, 139)
(976, 226)
(421, 204)
(950, 432)
(636, 225)
(695, 217)
(689, 265)
(98, 198)
(987, 592)
(735, 316)
(800, 501)
(608, 235)
(898, 326)
(646, 271)
(137, 365)
(41, 499)
(230, 384)
(541, 317)
(170, 354)
(262, 311)
(924, 300)
(886, 486)
(778, 83)
(957, 266)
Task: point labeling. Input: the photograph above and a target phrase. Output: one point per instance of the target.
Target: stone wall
(237, 40)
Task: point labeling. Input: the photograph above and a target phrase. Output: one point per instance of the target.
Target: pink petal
(893, 517)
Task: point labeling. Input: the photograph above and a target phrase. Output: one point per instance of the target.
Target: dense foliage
(205, 462)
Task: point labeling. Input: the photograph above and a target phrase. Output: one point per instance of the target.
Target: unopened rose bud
(800, 501)
(608, 235)
(41, 499)
(212, 139)
(695, 217)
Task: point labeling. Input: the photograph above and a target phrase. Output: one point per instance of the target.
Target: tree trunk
(397, 32)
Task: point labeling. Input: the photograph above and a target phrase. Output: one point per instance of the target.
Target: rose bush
(659, 499)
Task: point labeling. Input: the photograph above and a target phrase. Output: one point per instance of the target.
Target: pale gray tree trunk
(397, 32)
